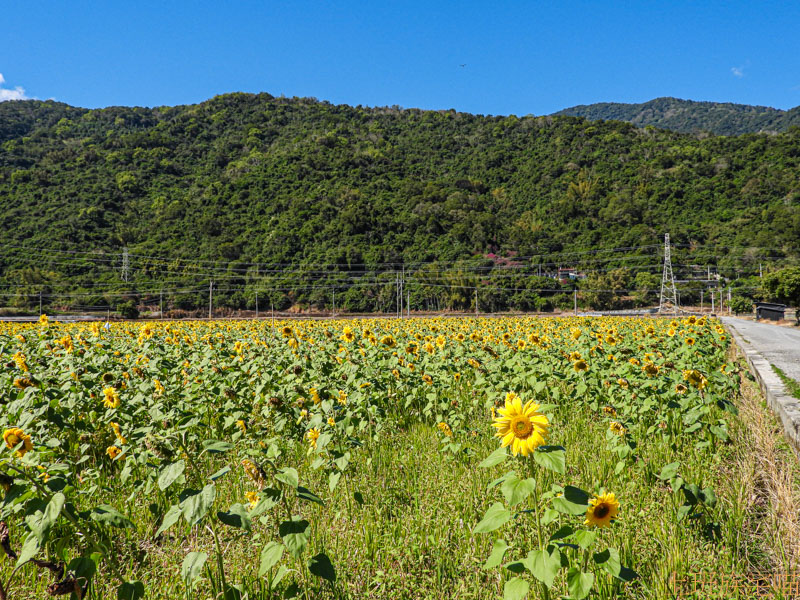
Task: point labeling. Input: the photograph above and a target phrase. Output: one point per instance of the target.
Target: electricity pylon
(669, 295)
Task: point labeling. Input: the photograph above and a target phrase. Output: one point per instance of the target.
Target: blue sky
(519, 57)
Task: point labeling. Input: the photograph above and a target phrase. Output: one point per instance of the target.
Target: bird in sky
(464, 65)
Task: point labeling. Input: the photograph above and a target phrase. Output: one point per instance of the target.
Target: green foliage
(784, 285)
(741, 305)
(128, 309)
(243, 179)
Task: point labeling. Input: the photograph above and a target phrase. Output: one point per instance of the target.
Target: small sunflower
(313, 436)
(445, 428)
(110, 397)
(252, 498)
(113, 452)
(521, 427)
(602, 509)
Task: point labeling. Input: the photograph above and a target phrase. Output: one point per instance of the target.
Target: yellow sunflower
(110, 397)
(602, 509)
(521, 427)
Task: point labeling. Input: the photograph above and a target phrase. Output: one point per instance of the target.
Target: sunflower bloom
(313, 436)
(602, 509)
(110, 397)
(521, 427)
(252, 498)
(113, 452)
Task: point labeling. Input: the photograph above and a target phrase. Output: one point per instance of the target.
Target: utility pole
(161, 302)
(575, 299)
(729, 300)
(476, 300)
(210, 290)
(701, 300)
(721, 304)
(408, 303)
(669, 295)
(125, 264)
(712, 301)
(402, 289)
(760, 271)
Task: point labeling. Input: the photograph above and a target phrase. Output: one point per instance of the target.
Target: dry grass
(770, 476)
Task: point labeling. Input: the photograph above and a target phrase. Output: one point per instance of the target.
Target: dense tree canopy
(236, 188)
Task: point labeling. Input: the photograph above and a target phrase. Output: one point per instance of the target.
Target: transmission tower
(125, 264)
(669, 296)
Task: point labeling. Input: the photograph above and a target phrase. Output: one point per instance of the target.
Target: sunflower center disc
(522, 427)
(601, 511)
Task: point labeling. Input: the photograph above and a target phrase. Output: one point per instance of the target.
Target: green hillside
(296, 196)
(688, 116)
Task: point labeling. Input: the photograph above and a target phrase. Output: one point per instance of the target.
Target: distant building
(565, 275)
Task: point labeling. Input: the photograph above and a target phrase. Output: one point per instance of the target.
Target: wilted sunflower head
(15, 436)
(617, 428)
(651, 369)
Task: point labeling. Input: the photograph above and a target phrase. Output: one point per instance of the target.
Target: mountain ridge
(691, 116)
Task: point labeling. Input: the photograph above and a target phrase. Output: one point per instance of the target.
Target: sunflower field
(406, 458)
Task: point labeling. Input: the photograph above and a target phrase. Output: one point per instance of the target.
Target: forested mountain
(688, 116)
(206, 191)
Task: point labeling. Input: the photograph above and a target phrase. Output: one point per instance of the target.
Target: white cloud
(737, 71)
(18, 93)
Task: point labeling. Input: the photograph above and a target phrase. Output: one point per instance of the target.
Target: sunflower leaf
(496, 557)
(669, 471)
(551, 457)
(495, 458)
(495, 517)
(584, 538)
(573, 502)
(192, 566)
(515, 589)
(608, 560)
(270, 555)
(516, 490)
(544, 564)
(579, 583)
